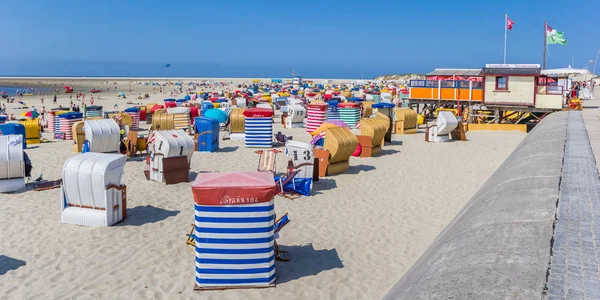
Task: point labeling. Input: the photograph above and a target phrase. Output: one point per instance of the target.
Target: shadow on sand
(9, 264)
(323, 185)
(387, 152)
(228, 149)
(394, 143)
(359, 168)
(141, 215)
(306, 261)
(193, 175)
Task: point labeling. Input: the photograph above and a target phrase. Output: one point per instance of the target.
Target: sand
(353, 239)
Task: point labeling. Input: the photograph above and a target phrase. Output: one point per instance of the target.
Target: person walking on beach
(43, 116)
(54, 101)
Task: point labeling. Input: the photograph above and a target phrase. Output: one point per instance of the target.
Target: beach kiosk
(297, 80)
(517, 85)
(103, 136)
(234, 230)
(207, 134)
(169, 156)
(91, 191)
(258, 128)
(12, 165)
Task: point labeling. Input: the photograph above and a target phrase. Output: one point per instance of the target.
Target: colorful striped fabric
(135, 115)
(51, 122)
(350, 115)
(259, 132)
(235, 245)
(314, 119)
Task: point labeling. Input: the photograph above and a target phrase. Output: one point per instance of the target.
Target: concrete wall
(498, 246)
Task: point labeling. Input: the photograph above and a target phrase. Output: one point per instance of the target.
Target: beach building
(494, 94)
(297, 80)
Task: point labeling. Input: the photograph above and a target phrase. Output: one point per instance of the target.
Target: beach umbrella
(436, 78)
(30, 114)
(218, 114)
(476, 79)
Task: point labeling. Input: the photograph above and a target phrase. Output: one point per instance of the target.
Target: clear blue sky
(316, 38)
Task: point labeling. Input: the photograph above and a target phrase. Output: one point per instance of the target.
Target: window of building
(501, 83)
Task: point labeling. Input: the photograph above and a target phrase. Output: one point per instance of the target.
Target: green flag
(555, 37)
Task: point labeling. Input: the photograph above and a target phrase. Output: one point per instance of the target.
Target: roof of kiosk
(511, 69)
(454, 72)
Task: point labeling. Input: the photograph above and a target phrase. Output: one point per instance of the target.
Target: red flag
(509, 23)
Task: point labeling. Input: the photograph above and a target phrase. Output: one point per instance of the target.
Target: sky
(318, 39)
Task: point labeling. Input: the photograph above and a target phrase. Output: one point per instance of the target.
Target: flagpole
(505, 26)
(545, 44)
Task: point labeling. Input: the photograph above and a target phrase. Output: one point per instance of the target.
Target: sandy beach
(353, 239)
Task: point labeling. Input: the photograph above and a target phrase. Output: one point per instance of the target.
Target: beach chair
(191, 240)
(280, 139)
(92, 193)
(284, 180)
(267, 160)
(280, 255)
(131, 143)
(445, 123)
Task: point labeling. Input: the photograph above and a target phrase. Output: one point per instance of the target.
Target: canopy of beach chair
(218, 114)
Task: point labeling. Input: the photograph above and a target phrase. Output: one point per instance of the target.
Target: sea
(12, 90)
(187, 70)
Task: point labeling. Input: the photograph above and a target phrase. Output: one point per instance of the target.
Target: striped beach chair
(235, 246)
(267, 160)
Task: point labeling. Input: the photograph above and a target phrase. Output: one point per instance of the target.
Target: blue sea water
(158, 70)
(17, 90)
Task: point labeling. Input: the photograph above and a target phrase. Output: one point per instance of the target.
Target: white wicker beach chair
(12, 165)
(92, 193)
